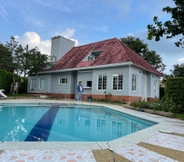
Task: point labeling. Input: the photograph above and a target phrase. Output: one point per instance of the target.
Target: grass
(179, 116)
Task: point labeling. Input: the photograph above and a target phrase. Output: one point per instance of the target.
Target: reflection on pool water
(65, 122)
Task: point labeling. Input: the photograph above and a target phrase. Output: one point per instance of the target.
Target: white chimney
(60, 46)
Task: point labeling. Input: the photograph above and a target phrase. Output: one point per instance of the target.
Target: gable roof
(113, 52)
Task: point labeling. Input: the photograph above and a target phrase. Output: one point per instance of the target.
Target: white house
(105, 66)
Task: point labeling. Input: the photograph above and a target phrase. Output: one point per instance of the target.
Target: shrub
(5, 80)
(162, 105)
(174, 91)
(162, 92)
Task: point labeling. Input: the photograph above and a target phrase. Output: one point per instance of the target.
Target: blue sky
(35, 22)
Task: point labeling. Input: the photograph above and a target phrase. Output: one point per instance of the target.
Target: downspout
(129, 81)
(49, 84)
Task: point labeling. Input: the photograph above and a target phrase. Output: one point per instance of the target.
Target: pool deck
(126, 146)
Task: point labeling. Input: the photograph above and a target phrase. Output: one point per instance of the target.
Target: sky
(35, 22)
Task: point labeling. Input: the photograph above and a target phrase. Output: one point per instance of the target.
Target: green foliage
(111, 101)
(162, 92)
(6, 58)
(5, 80)
(178, 70)
(160, 105)
(22, 61)
(142, 50)
(106, 95)
(175, 91)
(23, 85)
(26, 61)
(179, 116)
(142, 104)
(170, 28)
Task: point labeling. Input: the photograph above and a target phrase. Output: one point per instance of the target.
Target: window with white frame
(134, 82)
(100, 126)
(33, 84)
(117, 129)
(102, 82)
(117, 82)
(62, 80)
(41, 83)
(93, 55)
(155, 86)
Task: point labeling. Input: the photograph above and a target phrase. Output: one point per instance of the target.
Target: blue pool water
(65, 122)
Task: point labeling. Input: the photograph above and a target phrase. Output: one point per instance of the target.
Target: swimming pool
(65, 122)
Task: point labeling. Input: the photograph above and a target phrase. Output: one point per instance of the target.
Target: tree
(142, 50)
(178, 70)
(170, 28)
(37, 61)
(25, 62)
(5, 59)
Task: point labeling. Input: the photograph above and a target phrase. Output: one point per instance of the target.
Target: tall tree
(170, 28)
(178, 70)
(142, 50)
(26, 61)
(5, 59)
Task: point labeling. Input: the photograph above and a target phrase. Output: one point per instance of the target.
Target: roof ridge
(97, 42)
(139, 57)
(121, 43)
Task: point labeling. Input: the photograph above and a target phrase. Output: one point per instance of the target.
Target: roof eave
(148, 70)
(87, 68)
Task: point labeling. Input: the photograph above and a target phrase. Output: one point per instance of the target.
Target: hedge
(6, 79)
(175, 91)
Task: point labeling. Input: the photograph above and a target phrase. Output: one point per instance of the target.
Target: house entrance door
(144, 88)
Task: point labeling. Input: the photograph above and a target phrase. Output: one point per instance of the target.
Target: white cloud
(33, 40)
(34, 21)
(103, 29)
(67, 33)
(181, 60)
(39, 23)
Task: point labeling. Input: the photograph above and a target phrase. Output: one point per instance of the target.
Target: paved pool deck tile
(47, 156)
(139, 154)
(167, 141)
(177, 129)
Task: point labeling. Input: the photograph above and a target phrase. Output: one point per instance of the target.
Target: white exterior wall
(51, 84)
(38, 77)
(63, 88)
(154, 94)
(138, 72)
(84, 77)
(109, 72)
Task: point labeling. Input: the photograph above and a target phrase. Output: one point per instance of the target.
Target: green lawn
(179, 116)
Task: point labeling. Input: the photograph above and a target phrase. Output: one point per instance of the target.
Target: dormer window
(93, 55)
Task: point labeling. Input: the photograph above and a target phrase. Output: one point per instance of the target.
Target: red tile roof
(113, 51)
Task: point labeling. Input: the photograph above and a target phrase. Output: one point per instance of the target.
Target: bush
(161, 105)
(162, 92)
(5, 80)
(23, 86)
(175, 91)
